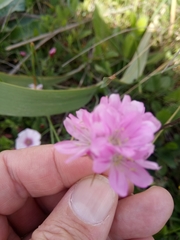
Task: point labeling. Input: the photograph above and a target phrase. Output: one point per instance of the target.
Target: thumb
(85, 212)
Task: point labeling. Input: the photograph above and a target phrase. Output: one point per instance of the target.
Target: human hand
(38, 188)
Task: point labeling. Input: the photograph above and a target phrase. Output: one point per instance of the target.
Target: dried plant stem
(168, 121)
(155, 72)
(96, 44)
(47, 38)
(46, 35)
(172, 16)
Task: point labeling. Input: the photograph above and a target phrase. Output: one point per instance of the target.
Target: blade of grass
(138, 63)
(52, 131)
(24, 80)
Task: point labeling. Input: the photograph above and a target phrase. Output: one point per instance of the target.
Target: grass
(118, 46)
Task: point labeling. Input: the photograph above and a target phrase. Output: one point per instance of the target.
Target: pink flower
(23, 53)
(79, 128)
(37, 87)
(118, 136)
(28, 138)
(52, 51)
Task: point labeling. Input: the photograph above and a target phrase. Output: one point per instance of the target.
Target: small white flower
(28, 138)
(37, 87)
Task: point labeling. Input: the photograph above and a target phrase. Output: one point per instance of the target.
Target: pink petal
(75, 129)
(149, 117)
(82, 152)
(126, 152)
(138, 175)
(126, 100)
(100, 165)
(144, 152)
(84, 116)
(52, 51)
(118, 181)
(148, 164)
(104, 100)
(71, 147)
(115, 101)
(67, 147)
(138, 106)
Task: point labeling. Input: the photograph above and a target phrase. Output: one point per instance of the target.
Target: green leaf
(173, 96)
(5, 143)
(156, 57)
(138, 63)
(163, 115)
(158, 82)
(23, 80)
(171, 146)
(102, 30)
(163, 169)
(12, 6)
(129, 44)
(4, 3)
(20, 101)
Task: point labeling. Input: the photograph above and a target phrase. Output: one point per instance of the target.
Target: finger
(33, 213)
(85, 212)
(27, 218)
(48, 203)
(6, 230)
(142, 215)
(4, 226)
(37, 171)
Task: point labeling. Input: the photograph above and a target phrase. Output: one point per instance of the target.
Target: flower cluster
(27, 138)
(118, 136)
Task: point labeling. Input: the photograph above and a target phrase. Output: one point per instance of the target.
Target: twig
(168, 121)
(16, 68)
(156, 71)
(172, 123)
(96, 44)
(171, 61)
(13, 71)
(9, 64)
(45, 35)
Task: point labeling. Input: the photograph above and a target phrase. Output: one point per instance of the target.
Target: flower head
(23, 53)
(37, 87)
(28, 138)
(52, 51)
(118, 136)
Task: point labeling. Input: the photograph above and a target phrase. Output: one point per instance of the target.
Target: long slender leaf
(23, 80)
(20, 101)
(136, 68)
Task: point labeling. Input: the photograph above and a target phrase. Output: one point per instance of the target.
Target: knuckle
(60, 230)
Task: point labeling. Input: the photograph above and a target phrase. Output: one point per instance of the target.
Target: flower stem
(52, 131)
(168, 121)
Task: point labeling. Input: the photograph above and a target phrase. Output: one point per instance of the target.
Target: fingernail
(92, 199)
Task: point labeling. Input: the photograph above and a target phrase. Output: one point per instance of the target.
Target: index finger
(36, 171)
